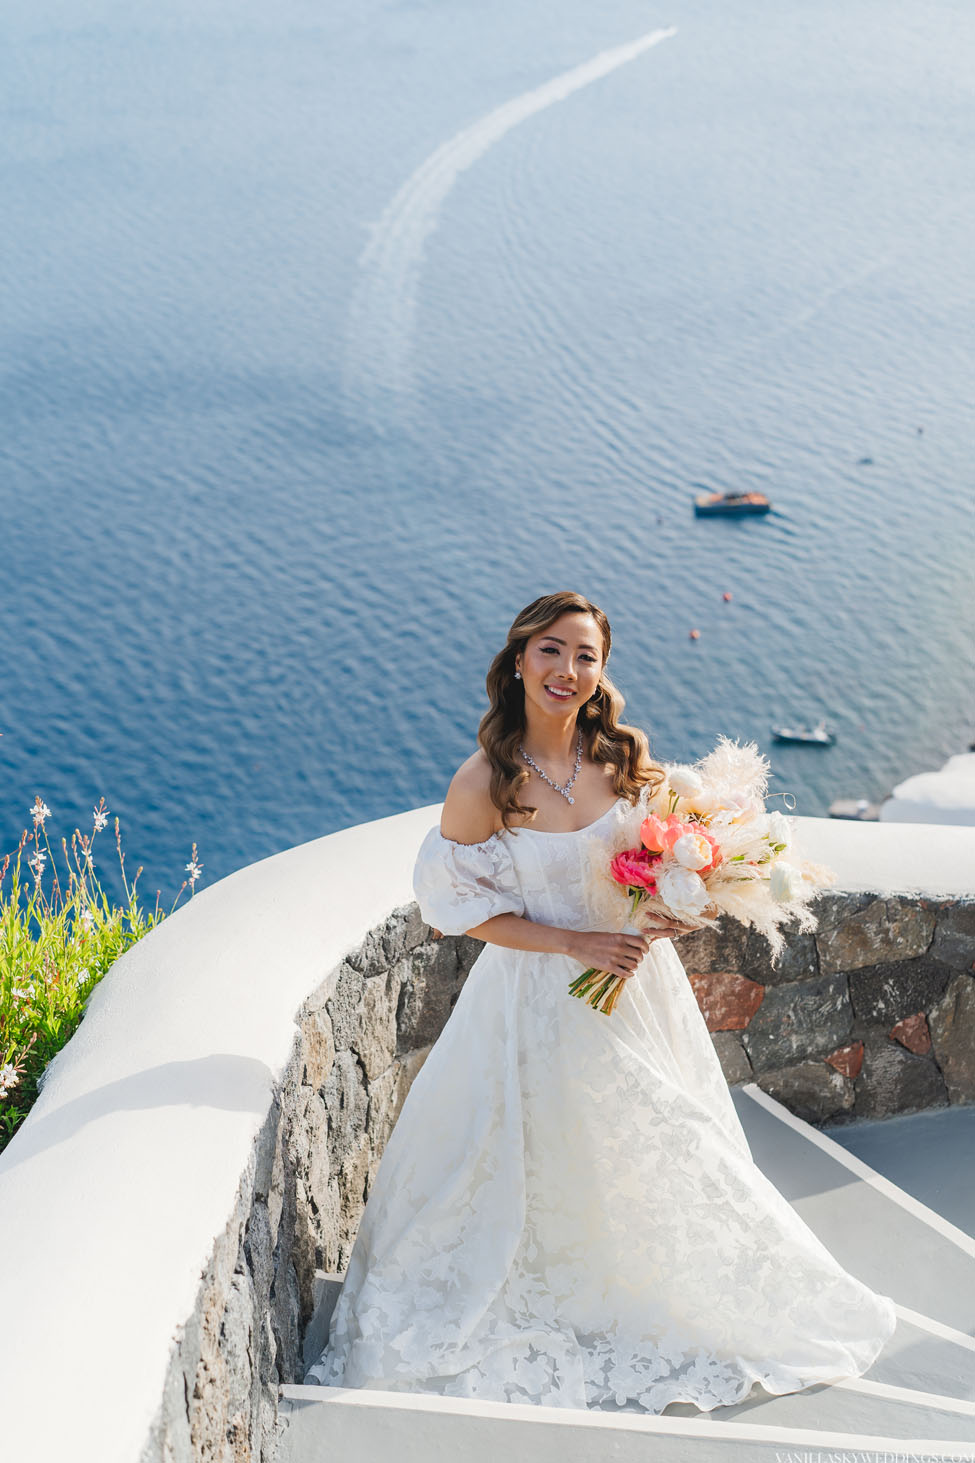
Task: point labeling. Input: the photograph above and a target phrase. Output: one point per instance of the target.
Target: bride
(567, 1211)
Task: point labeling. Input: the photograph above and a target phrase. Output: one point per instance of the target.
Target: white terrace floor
(894, 1200)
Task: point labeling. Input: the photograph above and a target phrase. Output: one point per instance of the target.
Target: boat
(819, 735)
(709, 504)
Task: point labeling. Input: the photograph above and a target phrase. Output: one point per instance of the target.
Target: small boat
(709, 504)
(820, 735)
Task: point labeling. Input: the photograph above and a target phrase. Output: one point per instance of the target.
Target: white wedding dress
(567, 1211)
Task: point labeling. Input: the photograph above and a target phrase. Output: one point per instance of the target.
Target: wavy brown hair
(605, 738)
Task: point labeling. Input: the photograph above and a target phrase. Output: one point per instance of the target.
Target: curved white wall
(117, 1187)
(916, 858)
(123, 1175)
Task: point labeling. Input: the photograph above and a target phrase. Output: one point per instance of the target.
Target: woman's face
(560, 667)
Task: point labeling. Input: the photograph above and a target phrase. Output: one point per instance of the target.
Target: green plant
(58, 937)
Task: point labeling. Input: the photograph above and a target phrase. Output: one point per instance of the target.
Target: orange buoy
(695, 634)
(726, 595)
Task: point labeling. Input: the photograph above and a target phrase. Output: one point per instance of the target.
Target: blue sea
(335, 333)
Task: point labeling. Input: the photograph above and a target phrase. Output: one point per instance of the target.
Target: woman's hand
(620, 954)
(667, 928)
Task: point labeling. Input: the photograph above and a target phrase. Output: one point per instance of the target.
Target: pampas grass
(731, 805)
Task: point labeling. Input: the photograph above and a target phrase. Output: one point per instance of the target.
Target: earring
(517, 675)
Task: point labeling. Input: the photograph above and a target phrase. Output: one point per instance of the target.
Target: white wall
(114, 1190)
(898, 858)
(945, 796)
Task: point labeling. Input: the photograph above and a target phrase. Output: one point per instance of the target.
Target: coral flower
(659, 835)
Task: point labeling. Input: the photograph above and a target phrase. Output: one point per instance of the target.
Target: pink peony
(635, 868)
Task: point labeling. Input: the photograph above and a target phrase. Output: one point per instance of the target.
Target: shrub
(58, 937)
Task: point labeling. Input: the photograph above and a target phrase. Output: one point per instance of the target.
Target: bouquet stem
(600, 988)
(592, 985)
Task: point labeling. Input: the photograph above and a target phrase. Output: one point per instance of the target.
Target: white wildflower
(785, 882)
(37, 861)
(194, 870)
(20, 993)
(84, 974)
(683, 891)
(100, 818)
(9, 1077)
(692, 851)
(40, 812)
(86, 918)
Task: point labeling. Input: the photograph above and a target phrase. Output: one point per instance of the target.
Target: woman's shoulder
(469, 815)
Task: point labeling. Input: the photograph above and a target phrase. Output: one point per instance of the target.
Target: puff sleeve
(459, 885)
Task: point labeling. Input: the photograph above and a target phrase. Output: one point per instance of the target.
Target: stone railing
(207, 1140)
(872, 1015)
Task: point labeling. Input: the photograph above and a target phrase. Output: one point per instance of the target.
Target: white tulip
(684, 892)
(785, 882)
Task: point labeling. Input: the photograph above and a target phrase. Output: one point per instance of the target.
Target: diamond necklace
(563, 790)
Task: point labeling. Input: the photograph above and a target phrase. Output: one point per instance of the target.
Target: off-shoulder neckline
(545, 832)
(565, 832)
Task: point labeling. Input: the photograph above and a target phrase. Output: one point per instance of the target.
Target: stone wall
(871, 1015)
(360, 1039)
(874, 1014)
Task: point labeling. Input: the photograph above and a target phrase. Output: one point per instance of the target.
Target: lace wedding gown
(567, 1211)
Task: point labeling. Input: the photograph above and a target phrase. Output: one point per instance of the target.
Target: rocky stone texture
(360, 1040)
(913, 1032)
(731, 1054)
(954, 939)
(887, 929)
(872, 1014)
(847, 1059)
(890, 991)
(728, 1001)
(800, 1019)
(798, 961)
(812, 1090)
(952, 1025)
(894, 1080)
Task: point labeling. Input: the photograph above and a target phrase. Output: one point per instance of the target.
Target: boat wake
(796, 322)
(383, 310)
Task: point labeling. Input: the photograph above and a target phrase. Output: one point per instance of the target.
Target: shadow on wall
(223, 1080)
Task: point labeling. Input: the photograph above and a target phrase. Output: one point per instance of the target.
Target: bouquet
(709, 847)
